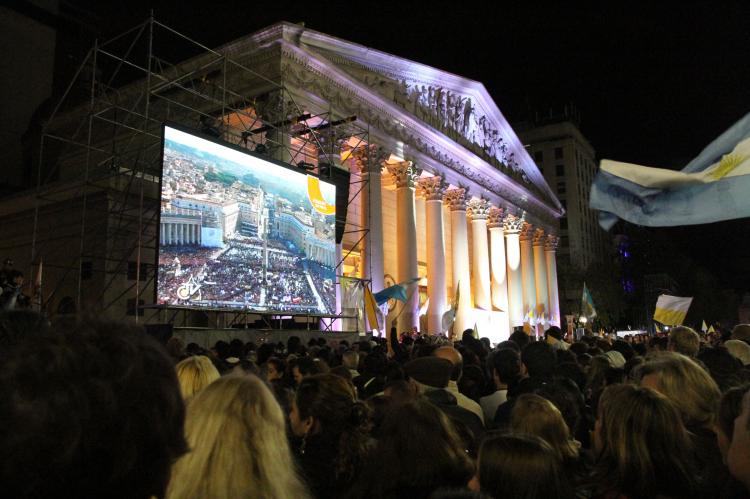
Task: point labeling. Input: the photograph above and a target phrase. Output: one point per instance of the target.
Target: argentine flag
(714, 186)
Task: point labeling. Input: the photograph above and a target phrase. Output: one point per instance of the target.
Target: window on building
(561, 187)
(539, 157)
(564, 223)
(558, 153)
(564, 204)
(560, 170)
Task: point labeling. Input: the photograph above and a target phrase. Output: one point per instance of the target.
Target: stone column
(433, 189)
(478, 211)
(497, 260)
(369, 162)
(456, 199)
(550, 246)
(512, 226)
(540, 279)
(527, 269)
(405, 176)
(162, 236)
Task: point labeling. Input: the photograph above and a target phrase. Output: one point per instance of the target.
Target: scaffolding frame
(108, 149)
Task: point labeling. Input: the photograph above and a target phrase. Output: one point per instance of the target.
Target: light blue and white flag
(714, 186)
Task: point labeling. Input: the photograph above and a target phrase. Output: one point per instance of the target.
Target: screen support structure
(99, 159)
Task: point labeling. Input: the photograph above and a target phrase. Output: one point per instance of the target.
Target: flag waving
(710, 188)
(671, 310)
(587, 304)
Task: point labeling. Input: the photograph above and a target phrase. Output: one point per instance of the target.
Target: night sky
(654, 84)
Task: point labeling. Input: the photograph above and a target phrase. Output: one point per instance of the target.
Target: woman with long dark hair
(330, 426)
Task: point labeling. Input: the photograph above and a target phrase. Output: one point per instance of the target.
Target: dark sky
(654, 84)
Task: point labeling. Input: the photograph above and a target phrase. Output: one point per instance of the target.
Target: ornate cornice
(404, 174)
(513, 224)
(456, 198)
(478, 209)
(313, 76)
(368, 159)
(432, 188)
(495, 217)
(551, 243)
(539, 237)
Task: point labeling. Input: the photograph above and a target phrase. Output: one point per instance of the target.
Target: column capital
(527, 231)
(539, 237)
(404, 174)
(432, 188)
(495, 217)
(550, 244)
(478, 208)
(512, 224)
(369, 158)
(456, 198)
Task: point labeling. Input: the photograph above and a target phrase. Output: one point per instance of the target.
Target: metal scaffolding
(100, 155)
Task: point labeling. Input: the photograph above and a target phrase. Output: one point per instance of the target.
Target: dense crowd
(235, 277)
(93, 409)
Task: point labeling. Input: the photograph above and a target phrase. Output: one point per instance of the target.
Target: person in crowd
(19, 325)
(431, 376)
(726, 370)
(741, 332)
(350, 360)
(175, 348)
(238, 446)
(738, 455)
(534, 415)
(739, 349)
(330, 426)
(696, 396)
(89, 410)
(554, 337)
(506, 372)
(455, 358)
(684, 340)
(275, 368)
(305, 367)
(195, 373)
(417, 453)
(642, 450)
(520, 338)
(521, 467)
(372, 379)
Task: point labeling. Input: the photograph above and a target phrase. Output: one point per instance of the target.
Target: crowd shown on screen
(100, 409)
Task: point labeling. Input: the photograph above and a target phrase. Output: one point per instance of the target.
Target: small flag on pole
(38, 287)
(396, 292)
(704, 327)
(587, 304)
(371, 310)
(671, 310)
(711, 329)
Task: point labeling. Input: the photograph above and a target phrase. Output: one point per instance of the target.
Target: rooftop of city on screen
(238, 231)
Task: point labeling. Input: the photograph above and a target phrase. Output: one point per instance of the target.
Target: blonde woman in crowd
(535, 415)
(194, 374)
(237, 435)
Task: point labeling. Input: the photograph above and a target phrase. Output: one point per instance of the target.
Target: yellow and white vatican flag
(671, 310)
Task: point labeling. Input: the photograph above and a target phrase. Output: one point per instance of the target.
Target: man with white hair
(350, 360)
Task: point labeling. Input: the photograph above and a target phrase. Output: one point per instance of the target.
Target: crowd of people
(96, 409)
(236, 277)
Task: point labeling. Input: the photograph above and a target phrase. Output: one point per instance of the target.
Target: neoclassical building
(452, 196)
(441, 189)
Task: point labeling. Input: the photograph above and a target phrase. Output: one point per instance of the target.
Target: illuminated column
(478, 211)
(433, 189)
(369, 161)
(405, 176)
(540, 278)
(497, 260)
(549, 255)
(456, 199)
(527, 269)
(171, 232)
(162, 236)
(512, 226)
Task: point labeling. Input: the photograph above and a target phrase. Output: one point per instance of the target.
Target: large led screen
(240, 232)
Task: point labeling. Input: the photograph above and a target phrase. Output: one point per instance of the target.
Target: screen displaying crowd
(240, 232)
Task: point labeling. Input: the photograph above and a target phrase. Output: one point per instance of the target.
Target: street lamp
(583, 320)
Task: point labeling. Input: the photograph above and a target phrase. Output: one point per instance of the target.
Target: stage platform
(207, 337)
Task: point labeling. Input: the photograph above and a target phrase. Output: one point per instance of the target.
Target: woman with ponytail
(331, 433)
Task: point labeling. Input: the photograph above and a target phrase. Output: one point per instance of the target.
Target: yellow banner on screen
(316, 197)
